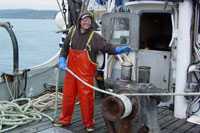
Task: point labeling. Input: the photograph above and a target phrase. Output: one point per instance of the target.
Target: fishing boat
(153, 89)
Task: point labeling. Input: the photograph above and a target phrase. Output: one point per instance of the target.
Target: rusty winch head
(115, 108)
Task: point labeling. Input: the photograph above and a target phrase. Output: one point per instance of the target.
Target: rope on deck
(24, 110)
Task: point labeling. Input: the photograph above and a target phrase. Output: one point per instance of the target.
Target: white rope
(13, 115)
(93, 87)
(46, 101)
(127, 59)
(132, 94)
(120, 58)
(9, 89)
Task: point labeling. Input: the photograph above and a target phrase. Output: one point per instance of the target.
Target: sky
(29, 4)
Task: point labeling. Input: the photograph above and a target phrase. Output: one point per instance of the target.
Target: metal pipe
(56, 95)
(8, 27)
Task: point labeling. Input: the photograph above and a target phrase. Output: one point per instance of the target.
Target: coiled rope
(14, 114)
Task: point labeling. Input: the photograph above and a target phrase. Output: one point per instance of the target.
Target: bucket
(126, 71)
(144, 74)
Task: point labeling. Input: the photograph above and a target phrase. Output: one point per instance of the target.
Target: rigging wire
(84, 5)
(62, 10)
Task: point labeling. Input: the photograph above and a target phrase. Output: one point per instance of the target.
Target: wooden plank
(184, 128)
(166, 118)
(77, 126)
(194, 129)
(164, 113)
(173, 127)
(168, 123)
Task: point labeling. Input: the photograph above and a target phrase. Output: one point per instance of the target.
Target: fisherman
(79, 55)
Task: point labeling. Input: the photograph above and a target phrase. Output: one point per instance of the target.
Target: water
(37, 41)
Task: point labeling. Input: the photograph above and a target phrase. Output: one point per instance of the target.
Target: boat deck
(168, 123)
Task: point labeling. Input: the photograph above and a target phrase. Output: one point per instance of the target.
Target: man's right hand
(62, 63)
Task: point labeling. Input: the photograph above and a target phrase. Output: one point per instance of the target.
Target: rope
(132, 94)
(12, 114)
(13, 88)
(93, 87)
(9, 89)
(46, 101)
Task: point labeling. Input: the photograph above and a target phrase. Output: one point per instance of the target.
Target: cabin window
(120, 31)
(155, 31)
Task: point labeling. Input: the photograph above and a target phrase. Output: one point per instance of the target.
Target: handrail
(9, 29)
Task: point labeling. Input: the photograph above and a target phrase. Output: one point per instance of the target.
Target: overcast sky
(29, 4)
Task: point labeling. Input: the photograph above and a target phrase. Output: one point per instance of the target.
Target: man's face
(85, 23)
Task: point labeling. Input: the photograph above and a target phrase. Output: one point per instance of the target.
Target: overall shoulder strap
(89, 40)
(72, 32)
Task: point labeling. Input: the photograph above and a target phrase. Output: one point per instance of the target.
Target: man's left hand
(123, 49)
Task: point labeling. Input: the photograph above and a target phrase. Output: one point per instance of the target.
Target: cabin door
(154, 53)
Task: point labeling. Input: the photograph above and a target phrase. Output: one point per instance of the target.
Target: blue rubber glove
(122, 49)
(62, 63)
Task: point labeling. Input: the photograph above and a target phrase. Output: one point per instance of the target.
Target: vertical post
(56, 96)
(106, 67)
(183, 55)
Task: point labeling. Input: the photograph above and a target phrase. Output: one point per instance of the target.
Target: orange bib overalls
(79, 62)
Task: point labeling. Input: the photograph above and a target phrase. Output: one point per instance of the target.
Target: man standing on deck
(79, 55)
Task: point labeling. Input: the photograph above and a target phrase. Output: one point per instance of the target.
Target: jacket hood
(83, 15)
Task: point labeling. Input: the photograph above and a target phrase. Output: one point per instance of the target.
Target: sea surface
(37, 42)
